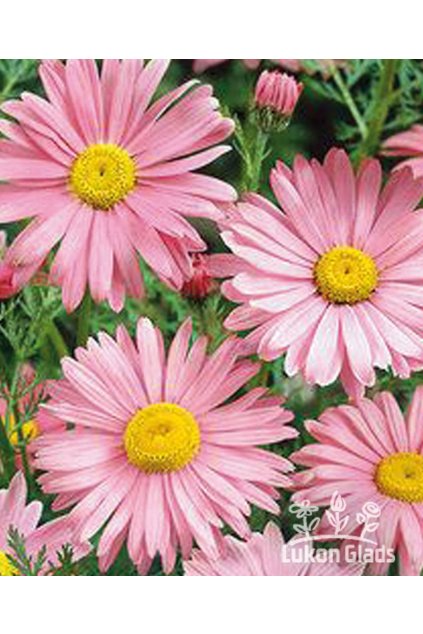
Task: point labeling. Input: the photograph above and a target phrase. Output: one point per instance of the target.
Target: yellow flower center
(102, 175)
(7, 569)
(161, 438)
(345, 275)
(400, 476)
(30, 430)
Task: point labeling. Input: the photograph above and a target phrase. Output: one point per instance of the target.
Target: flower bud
(7, 285)
(6, 271)
(275, 98)
(201, 282)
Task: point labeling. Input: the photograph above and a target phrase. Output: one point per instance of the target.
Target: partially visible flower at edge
(201, 65)
(262, 555)
(372, 455)
(16, 513)
(408, 143)
(324, 66)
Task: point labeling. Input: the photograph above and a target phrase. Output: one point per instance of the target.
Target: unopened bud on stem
(275, 98)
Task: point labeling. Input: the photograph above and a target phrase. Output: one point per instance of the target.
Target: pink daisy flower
(261, 556)
(409, 143)
(334, 281)
(156, 456)
(109, 176)
(16, 513)
(369, 453)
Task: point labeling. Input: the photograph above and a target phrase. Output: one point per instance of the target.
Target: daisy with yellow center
(171, 462)
(161, 438)
(102, 175)
(345, 275)
(118, 173)
(329, 281)
(25, 517)
(370, 452)
(400, 476)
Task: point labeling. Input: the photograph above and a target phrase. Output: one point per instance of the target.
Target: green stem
(84, 314)
(55, 337)
(252, 144)
(244, 151)
(349, 101)
(381, 105)
(4, 94)
(6, 453)
(13, 413)
(202, 310)
(22, 450)
(257, 159)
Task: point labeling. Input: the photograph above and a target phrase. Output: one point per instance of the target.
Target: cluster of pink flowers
(157, 447)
